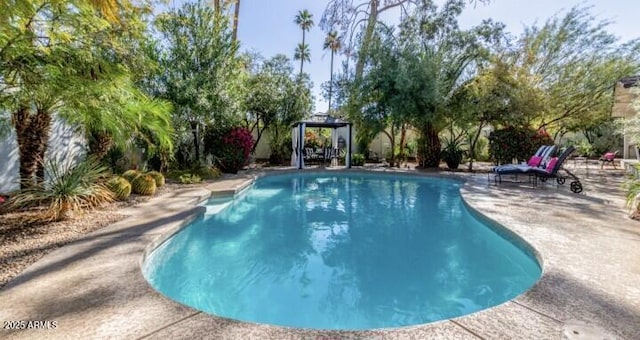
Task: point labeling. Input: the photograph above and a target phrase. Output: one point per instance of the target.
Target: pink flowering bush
(230, 147)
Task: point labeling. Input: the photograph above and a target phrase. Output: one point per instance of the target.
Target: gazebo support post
(348, 160)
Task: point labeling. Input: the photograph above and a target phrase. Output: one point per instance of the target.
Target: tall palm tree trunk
(331, 81)
(302, 57)
(429, 147)
(99, 143)
(236, 16)
(217, 7)
(32, 134)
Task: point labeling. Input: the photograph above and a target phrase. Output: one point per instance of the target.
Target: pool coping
(465, 326)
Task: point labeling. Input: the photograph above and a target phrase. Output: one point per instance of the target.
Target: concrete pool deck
(94, 288)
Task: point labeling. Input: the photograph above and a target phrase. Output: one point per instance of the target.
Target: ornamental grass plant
(66, 189)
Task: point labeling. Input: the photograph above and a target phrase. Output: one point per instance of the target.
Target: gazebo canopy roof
(628, 82)
(313, 124)
(326, 121)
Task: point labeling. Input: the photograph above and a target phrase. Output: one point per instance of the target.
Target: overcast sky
(267, 26)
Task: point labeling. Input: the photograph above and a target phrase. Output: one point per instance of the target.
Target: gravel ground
(23, 242)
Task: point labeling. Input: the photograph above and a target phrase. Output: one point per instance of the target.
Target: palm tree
(236, 15)
(332, 42)
(303, 53)
(304, 19)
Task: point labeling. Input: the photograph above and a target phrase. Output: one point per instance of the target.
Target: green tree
(352, 18)
(331, 42)
(437, 58)
(50, 52)
(494, 97)
(304, 19)
(377, 94)
(275, 100)
(575, 61)
(198, 68)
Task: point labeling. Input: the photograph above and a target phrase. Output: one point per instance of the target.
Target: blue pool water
(341, 251)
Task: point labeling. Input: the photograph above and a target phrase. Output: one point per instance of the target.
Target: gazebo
(297, 138)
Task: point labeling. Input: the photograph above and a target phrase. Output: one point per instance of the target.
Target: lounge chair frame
(536, 174)
(611, 161)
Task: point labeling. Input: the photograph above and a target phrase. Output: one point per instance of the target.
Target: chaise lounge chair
(609, 157)
(539, 159)
(551, 171)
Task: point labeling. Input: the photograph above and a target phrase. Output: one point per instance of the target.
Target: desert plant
(210, 172)
(130, 175)
(158, 177)
(202, 171)
(357, 159)
(632, 186)
(144, 185)
(452, 151)
(120, 187)
(206, 172)
(189, 179)
(67, 189)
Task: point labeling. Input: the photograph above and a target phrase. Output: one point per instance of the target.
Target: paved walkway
(93, 288)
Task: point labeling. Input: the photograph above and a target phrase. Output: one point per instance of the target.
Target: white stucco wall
(65, 144)
(263, 150)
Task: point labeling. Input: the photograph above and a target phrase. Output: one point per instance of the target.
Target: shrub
(189, 179)
(230, 147)
(518, 143)
(158, 177)
(144, 185)
(130, 175)
(357, 159)
(584, 148)
(280, 148)
(202, 171)
(206, 172)
(120, 187)
(452, 152)
(68, 188)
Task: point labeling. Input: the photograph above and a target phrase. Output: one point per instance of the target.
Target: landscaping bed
(24, 241)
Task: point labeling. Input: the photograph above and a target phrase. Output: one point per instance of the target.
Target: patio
(93, 288)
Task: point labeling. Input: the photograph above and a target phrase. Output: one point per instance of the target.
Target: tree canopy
(198, 66)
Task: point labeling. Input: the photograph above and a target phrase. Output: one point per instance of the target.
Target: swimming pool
(342, 251)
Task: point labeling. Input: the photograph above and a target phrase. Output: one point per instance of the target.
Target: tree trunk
(472, 146)
(44, 142)
(99, 144)
(330, 82)
(260, 131)
(430, 148)
(366, 39)
(196, 141)
(236, 16)
(302, 53)
(392, 141)
(403, 141)
(32, 134)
